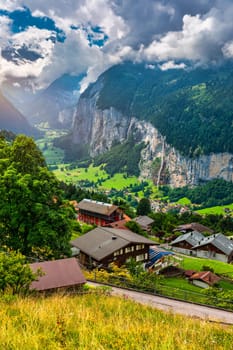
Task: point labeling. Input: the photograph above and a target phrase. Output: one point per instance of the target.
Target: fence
(175, 293)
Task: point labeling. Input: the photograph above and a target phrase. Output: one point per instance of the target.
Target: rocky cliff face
(100, 129)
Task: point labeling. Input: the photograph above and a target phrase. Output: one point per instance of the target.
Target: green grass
(184, 201)
(119, 181)
(192, 263)
(181, 283)
(218, 210)
(226, 285)
(102, 322)
(79, 174)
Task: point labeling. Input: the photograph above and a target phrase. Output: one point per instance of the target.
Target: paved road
(175, 306)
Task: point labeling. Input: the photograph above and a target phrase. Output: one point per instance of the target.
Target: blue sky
(42, 40)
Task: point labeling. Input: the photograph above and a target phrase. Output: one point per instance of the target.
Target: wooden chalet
(57, 275)
(193, 226)
(216, 247)
(98, 213)
(184, 243)
(204, 279)
(104, 245)
(144, 222)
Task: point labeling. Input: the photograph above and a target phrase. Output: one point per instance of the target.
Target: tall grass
(102, 322)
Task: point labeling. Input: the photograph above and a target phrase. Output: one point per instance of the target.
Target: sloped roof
(205, 276)
(143, 220)
(117, 224)
(58, 273)
(97, 207)
(156, 254)
(191, 237)
(194, 226)
(219, 241)
(103, 241)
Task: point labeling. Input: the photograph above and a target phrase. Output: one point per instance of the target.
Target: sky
(40, 40)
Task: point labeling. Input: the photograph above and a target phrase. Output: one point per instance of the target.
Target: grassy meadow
(192, 263)
(102, 322)
(218, 210)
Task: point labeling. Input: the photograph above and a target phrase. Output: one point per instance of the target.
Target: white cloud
(151, 31)
(172, 65)
(183, 44)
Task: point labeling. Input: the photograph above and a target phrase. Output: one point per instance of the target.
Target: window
(140, 257)
(128, 249)
(140, 246)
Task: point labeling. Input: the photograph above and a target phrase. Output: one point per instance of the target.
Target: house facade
(216, 247)
(184, 243)
(98, 213)
(104, 245)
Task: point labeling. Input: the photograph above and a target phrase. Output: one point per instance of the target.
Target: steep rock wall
(100, 129)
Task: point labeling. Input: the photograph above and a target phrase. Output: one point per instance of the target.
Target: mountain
(55, 105)
(183, 117)
(11, 119)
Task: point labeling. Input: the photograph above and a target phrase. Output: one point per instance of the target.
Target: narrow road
(175, 306)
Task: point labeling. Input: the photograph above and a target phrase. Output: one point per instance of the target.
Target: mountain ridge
(11, 119)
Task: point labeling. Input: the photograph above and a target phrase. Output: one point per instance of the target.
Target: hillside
(182, 118)
(55, 105)
(99, 322)
(192, 108)
(11, 119)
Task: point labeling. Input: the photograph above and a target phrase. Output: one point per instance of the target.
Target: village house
(98, 213)
(160, 258)
(216, 246)
(57, 275)
(204, 279)
(193, 226)
(184, 243)
(104, 245)
(144, 222)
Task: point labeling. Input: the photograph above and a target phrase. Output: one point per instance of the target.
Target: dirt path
(175, 306)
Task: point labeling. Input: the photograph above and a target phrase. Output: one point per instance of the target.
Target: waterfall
(162, 161)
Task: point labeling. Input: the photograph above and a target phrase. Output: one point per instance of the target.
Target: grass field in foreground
(103, 323)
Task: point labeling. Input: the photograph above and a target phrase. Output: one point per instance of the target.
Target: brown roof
(97, 207)
(143, 220)
(205, 276)
(58, 274)
(118, 224)
(103, 241)
(195, 226)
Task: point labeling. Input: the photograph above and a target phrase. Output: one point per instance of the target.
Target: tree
(33, 216)
(16, 274)
(144, 207)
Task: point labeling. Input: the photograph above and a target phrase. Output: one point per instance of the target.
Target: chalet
(217, 247)
(204, 279)
(98, 213)
(184, 243)
(105, 245)
(193, 226)
(144, 222)
(58, 274)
